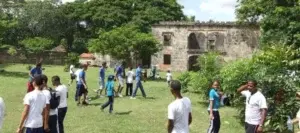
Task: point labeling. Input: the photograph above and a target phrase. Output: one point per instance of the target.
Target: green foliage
(272, 68)
(120, 42)
(73, 59)
(37, 44)
(12, 51)
(210, 65)
(275, 28)
(185, 79)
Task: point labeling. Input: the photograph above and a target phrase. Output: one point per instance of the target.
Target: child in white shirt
(169, 77)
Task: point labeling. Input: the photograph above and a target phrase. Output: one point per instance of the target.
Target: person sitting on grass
(110, 94)
(179, 111)
(34, 109)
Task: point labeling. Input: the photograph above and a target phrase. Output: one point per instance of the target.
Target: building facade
(183, 42)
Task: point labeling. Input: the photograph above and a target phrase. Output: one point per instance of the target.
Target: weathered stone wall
(234, 41)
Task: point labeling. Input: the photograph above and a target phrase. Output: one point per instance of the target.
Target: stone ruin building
(183, 42)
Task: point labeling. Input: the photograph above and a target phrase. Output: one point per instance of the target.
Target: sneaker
(132, 98)
(120, 95)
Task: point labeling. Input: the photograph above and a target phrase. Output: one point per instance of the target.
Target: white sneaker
(132, 98)
(120, 95)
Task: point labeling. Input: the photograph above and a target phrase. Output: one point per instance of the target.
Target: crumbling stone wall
(232, 40)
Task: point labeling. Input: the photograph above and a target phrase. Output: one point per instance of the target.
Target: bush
(73, 59)
(185, 80)
(210, 65)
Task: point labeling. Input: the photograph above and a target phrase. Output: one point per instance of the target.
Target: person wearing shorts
(72, 74)
(82, 86)
(119, 75)
(101, 79)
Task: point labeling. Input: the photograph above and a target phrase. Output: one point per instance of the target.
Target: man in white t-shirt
(256, 107)
(34, 110)
(169, 77)
(63, 106)
(129, 82)
(72, 74)
(2, 112)
(50, 124)
(179, 111)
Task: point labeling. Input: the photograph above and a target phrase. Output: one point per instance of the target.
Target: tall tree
(279, 19)
(124, 42)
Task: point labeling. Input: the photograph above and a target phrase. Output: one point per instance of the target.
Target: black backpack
(54, 101)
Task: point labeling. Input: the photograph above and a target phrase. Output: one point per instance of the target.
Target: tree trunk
(70, 40)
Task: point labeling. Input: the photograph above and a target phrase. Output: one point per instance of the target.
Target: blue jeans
(110, 102)
(53, 124)
(139, 85)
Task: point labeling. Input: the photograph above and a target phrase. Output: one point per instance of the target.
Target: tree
(268, 13)
(37, 45)
(121, 42)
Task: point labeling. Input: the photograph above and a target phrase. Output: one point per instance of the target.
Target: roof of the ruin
(203, 23)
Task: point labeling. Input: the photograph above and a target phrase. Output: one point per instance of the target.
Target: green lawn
(131, 116)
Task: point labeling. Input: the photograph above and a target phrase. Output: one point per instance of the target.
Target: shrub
(185, 79)
(210, 65)
(73, 59)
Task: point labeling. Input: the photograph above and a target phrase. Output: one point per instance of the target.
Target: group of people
(180, 116)
(45, 108)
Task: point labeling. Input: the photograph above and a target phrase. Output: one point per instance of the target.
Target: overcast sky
(204, 10)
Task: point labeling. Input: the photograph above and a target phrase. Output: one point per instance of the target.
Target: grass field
(130, 116)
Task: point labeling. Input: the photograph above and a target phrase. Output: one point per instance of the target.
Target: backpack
(54, 101)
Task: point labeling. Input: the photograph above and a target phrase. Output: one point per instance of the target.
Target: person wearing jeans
(110, 94)
(214, 104)
(138, 83)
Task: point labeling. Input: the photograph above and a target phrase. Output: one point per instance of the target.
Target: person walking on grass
(2, 112)
(213, 107)
(256, 107)
(119, 77)
(110, 94)
(139, 84)
(62, 90)
(72, 74)
(129, 82)
(37, 70)
(34, 109)
(179, 111)
(169, 77)
(52, 99)
(101, 79)
(82, 88)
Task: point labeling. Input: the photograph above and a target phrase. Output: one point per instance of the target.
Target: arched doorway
(193, 42)
(192, 63)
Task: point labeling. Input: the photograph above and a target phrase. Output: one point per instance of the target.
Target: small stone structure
(183, 42)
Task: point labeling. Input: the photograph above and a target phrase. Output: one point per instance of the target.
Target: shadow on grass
(123, 113)
(14, 74)
(156, 80)
(94, 104)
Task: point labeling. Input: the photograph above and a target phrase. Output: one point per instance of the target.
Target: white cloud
(218, 7)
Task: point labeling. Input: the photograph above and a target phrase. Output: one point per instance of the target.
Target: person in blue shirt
(37, 70)
(101, 79)
(119, 77)
(82, 86)
(213, 107)
(139, 84)
(110, 94)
